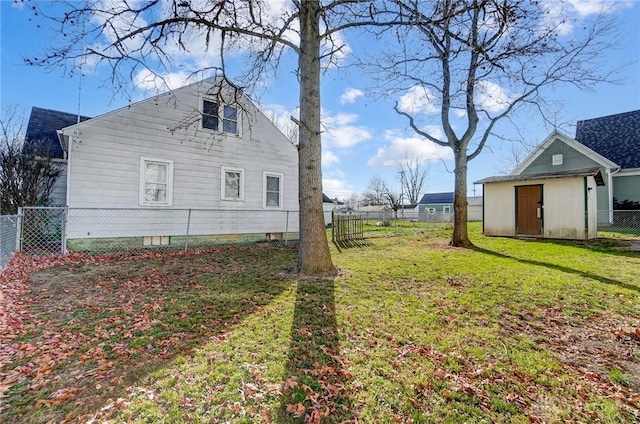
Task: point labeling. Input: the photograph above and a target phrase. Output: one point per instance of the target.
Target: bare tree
(470, 64)
(377, 191)
(27, 172)
(413, 176)
(130, 36)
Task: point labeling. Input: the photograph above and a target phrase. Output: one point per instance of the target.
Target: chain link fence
(50, 231)
(9, 225)
(121, 231)
(619, 224)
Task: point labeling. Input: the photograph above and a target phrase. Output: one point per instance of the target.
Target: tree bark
(314, 257)
(460, 236)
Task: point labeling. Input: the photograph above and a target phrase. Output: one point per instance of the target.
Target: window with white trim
(214, 112)
(272, 190)
(446, 209)
(556, 159)
(156, 182)
(232, 187)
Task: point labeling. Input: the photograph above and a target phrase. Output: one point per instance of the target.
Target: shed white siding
(104, 160)
(567, 213)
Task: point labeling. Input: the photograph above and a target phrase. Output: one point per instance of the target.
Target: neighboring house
(438, 207)
(432, 203)
(195, 148)
(474, 208)
(327, 207)
(408, 211)
(41, 131)
(567, 186)
(375, 212)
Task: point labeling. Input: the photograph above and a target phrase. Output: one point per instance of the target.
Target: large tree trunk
(314, 257)
(460, 236)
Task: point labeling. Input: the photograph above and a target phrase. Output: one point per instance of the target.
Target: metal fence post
(186, 238)
(286, 230)
(63, 241)
(19, 231)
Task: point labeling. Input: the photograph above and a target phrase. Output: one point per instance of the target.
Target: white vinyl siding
(156, 182)
(104, 161)
(272, 190)
(232, 187)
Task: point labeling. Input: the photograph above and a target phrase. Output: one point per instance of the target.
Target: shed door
(529, 220)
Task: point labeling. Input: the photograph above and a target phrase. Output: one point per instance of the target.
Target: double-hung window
(232, 187)
(156, 182)
(214, 112)
(272, 190)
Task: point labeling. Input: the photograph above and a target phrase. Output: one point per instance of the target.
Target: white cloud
(333, 188)
(594, 7)
(491, 97)
(400, 148)
(564, 16)
(337, 131)
(350, 95)
(419, 100)
(335, 51)
(154, 83)
(329, 158)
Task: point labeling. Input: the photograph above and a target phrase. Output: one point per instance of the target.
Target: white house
(136, 171)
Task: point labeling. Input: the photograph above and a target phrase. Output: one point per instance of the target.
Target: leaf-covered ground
(411, 331)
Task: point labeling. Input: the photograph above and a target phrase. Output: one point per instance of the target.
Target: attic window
(556, 159)
(214, 112)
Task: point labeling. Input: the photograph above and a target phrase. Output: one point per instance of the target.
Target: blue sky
(363, 135)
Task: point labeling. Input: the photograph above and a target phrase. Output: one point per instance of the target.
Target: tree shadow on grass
(315, 384)
(115, 322)
(584, 274)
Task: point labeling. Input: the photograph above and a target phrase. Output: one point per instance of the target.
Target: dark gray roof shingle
(616, 137)
(42, 127)
(436, 198)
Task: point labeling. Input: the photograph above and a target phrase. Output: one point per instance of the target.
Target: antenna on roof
(82, 64)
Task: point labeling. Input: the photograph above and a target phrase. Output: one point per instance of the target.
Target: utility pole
(402, 192)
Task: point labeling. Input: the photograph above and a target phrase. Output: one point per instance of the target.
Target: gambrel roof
(616, 137)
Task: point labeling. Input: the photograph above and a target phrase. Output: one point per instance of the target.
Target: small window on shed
(556, 159)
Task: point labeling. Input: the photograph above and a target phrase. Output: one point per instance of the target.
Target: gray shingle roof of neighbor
(616, 137)
(42, 127)
(437, 198)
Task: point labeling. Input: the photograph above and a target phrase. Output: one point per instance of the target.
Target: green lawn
(411, 331)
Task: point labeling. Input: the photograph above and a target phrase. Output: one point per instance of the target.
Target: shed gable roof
(432, 198)
(558, 136)
(616, 137)
(42, 127)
